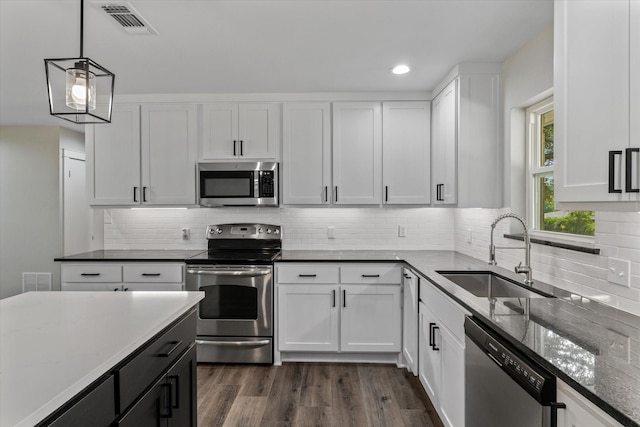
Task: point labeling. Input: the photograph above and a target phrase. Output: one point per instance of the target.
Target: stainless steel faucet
(520, 269)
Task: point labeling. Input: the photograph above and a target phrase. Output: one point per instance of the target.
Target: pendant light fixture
(80, 90)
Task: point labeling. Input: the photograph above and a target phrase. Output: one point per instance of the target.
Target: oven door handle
(257, 343)
(236, 273)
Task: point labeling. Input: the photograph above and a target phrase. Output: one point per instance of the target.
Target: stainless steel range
(235, 318)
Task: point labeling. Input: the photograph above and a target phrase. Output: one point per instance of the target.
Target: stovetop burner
(241, 244)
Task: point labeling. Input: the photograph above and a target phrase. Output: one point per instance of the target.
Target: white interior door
(77, 215)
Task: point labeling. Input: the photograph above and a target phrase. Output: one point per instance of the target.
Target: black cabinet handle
(135, 194)
(151, 274)
(406, 276)
(234, 146)
(434, 346)
(370, 275)
(174, 347)
(386, 193)
(90, 274)
(554, 412)
(241, 147)
(612, 171)
(326, 194)
(116, 290)
(125, 289)
(439, 188)
(344, 298)
(334, 297)
(171, 379)
(144, 194)
(336, 193)
(307, 275)
(628, 170)
(166, 411)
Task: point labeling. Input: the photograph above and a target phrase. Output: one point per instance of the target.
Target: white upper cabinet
(465, 138)
(146, 156)
(306, 153)
(169, 144)
(113, 159)
(406, 152)
(239, 131)
(357, 153)
(444, 144)
(597, 80)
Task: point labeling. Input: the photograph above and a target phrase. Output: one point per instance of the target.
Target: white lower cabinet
(122, 276)
(441, 354)
(410, 320)
(320, 311)
(579, 411)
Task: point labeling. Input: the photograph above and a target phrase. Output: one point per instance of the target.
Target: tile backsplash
(617, 235)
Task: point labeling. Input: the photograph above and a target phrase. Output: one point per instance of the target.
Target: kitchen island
(55, 346)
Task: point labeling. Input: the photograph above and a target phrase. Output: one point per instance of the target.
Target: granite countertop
(55, 344)
(133, 255)
(603, 342)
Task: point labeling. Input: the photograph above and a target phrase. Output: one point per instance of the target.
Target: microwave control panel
(267, 184)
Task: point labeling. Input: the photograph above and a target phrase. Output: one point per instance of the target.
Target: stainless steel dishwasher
(505, 388)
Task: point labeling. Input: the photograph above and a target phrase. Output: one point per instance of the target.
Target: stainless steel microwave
(238, 184)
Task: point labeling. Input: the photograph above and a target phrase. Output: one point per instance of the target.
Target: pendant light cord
(81, 28)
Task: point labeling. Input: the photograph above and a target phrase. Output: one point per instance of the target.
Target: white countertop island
(55, 344)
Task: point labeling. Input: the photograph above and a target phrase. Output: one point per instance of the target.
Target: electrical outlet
(186, 233)
(619, 270)
(402, 231)
(331, 232)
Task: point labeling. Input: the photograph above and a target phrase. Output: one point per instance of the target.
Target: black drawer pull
(307, 275)
(612, 171)
(175, 346)
(151, 274)
(370, 275)
(166, 410)
(90, 274)
(628, 170)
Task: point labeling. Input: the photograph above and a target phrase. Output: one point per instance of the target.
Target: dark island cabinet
(155, 386)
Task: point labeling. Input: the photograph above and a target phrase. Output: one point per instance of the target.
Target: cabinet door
(357, 153)
(306, 144)
(410, 321)
(257, 131)
(591, 96)
(151, 410)
(113, 159)
(371, 318)
(308, 317)
(406, 152)
(169, 141)
(634, 63)
(444, 146)
(429, 354)
(182, 384)
(219, 132)
(452, 379)
(579, 411)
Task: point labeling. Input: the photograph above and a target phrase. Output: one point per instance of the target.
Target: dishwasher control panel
(536, 380)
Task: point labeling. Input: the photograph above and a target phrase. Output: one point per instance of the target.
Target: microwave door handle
(241, 148)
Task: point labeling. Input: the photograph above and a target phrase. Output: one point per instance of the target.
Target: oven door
(238, 300)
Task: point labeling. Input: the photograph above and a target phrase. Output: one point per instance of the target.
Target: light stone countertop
(55, 344)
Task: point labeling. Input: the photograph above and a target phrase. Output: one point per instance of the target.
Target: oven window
(226, 184)
(229, 302)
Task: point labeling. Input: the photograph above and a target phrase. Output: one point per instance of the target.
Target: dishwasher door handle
(247, 273)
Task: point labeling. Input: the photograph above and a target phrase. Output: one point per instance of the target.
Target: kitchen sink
(490, 285)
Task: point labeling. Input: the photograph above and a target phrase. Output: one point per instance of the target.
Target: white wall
(304, 228)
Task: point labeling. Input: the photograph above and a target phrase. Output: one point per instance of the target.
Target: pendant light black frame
(56, 73)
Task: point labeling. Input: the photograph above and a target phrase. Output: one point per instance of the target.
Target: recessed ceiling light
(400, 69)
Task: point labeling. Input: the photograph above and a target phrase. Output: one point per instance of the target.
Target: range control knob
(219, 230)
(276, 231)
(260, 230)
(268, 231)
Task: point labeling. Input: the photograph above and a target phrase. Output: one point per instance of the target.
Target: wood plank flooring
(311, 394)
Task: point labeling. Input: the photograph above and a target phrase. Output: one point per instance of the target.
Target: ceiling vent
(128, 18)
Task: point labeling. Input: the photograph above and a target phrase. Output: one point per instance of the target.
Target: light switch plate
(331, 232)
(402, 231)
(619, 271)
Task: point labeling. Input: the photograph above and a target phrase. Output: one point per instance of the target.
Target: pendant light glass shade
(80, 90)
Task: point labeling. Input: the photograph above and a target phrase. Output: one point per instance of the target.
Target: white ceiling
(258, 46)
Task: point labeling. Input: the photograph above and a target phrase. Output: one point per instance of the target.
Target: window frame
(534, 170)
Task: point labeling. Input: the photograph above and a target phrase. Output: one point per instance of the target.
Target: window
(541, 211)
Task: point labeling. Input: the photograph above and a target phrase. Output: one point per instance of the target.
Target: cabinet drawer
(307, 273)
(383, 274)
(98, 408)
(449, 313)
(166, 273)
(156, 357)
(91, 273)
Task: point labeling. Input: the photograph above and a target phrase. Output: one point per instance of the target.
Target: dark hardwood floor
(311, 394)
